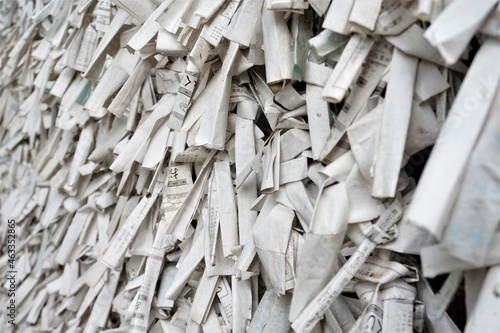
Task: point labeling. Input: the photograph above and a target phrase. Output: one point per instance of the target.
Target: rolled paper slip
(242, 304)
(412, 42)
(451, 34)
(271, 314)
(395, 122)
(398, 300)
(140, 317)
(184, 95)
(212, 131)
(348, 66)
(394, 19)
(365, 13)
(484, 316)
(182, 218)
(130, 88)
(204, 297)
(271, 235)
(123, 238)
(149, 29)
(213, 222)
(113, 78)
(478, 204)
(214, 29)
(337, 16)
(227, 207)
(81, 154)
(366, 83)
(243, 25)
(277, 47)
(319, 122)
(442, 176)
(313, 313)
(247, 192)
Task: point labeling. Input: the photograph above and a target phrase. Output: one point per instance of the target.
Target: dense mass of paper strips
(249, 165)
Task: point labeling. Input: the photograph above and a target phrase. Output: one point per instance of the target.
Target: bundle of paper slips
(260, 166)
